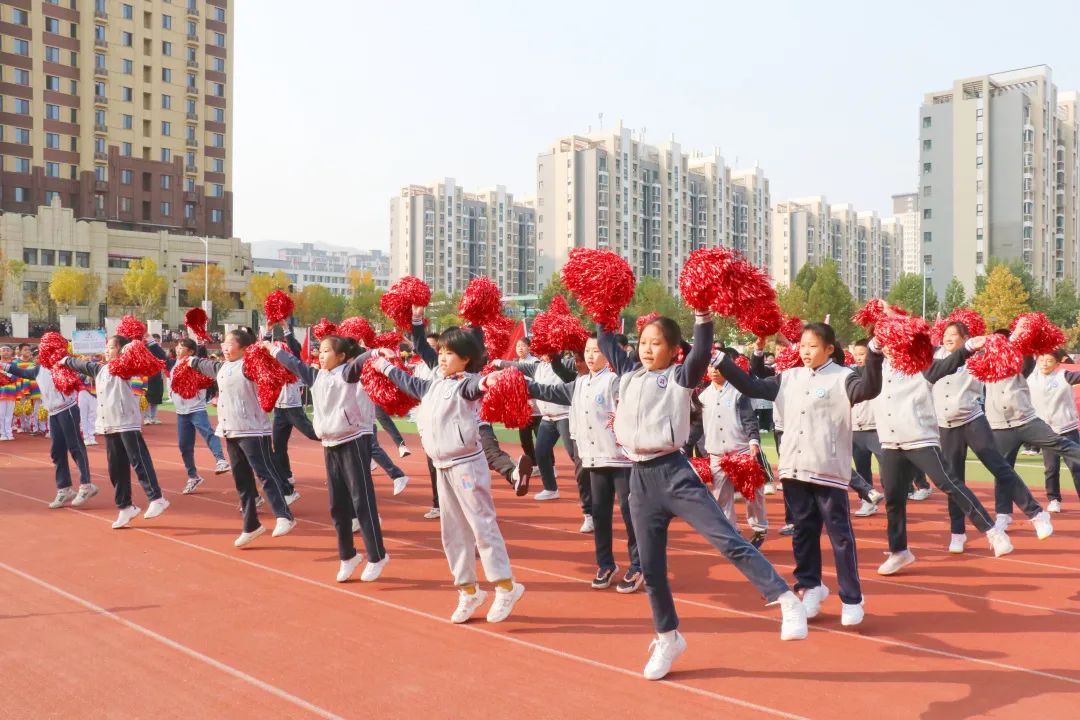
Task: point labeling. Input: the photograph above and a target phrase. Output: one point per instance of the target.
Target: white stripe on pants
(88, 413)
(469, 524)
(724, 492)
(7, 414)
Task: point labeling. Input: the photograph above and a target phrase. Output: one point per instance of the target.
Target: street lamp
(206, 305)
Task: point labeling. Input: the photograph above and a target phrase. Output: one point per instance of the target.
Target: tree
(261, 285)
(69, 286)
(829, 296)
(14, 269)
(955, 296)
(315, 302)
(39, 303)
(806, 276)
(145, 287)
(1064, 306)
(365, 298)
(116, 298)
(1037, 299)
(555, 287)
(194, 281)
(442, 311)
(1003, 297)
(650, 295)
(907, 293)
(791, 299)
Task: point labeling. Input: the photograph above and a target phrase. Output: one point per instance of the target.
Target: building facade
(447, 236)
(309, 265)
(906, 213)
(122, 110)
(998, 169)
(54, 237)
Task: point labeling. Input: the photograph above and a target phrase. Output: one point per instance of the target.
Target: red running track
(168, 619)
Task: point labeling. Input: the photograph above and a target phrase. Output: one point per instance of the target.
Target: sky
(341, 103)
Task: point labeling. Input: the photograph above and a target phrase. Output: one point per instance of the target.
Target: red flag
(518, 333)
(305, 354)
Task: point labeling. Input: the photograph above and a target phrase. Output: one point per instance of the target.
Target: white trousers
(469, 524)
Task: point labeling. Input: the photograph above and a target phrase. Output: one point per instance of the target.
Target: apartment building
(307, 264)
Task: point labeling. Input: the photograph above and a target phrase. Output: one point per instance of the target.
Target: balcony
(100, 128)
(192, 11)
(191, 169)
(193, 38)
(190, 222)
(192, 143)
(101, 42)
(192, 116)
(192, 90)
(101, 186)
(101, 156)
(101, 71)
(190, 196)
(101, 100)
(193, 64)
(101, 15)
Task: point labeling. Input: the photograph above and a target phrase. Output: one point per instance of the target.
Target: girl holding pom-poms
(191, 415)
(1052, 395)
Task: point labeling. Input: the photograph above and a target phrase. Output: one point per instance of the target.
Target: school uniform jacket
(729, 420)
(904, 410)
(957, 397)
(343, 410)
(1053, 399)
(238, 410)
(1008, 401)
(117, 406)
(555, 372)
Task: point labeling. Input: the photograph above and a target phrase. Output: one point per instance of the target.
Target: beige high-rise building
(998, 168)
(652, 204)
(906, 213)
(447, 236)
(122, 110)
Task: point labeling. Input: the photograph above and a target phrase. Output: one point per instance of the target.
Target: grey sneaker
(192, 484)
(63, 497)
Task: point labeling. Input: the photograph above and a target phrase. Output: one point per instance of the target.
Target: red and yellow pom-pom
(908, 341)
(131, 327)
(788, 358)
(322, 329)
(1000, 359)
(557, 330)
(195, 320)
(357, 328)
(52, 349)
(186, 381)
(1036, 335)
(278, 307)
(762, 319)
(384, 393)
(507, 400)
(703, 469)
(644, 320)
(267, 373)
(135, 361)
(397, 302)
(497, 332)
(792, 328)
(744, 472)
(602, 282)
(65, 379)
(481, 302)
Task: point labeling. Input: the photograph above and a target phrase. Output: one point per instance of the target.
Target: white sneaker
(546, 495)
(403, 451)
(895, 562)
(400, 484)
(126, 515)
(921, 494)
(504, 603)
(1027, 451)
(957, 543)
(587, 525)
(770, 488)
(155, 508)
(355, 525)
(192, 485)
(292, 497)
(86, 492)
(373, 570)
(999, 541)
(221, 467)
(866, 509)
(793, 626)
(851, 614)
(88, 441)
(1043, 527)
(247, 537)
(662, 654)
(433, 514)
(468, 604)
(63, 497)
(374, 466)
(348, 567)
(283, 526)
(1002, 522)
(812, 600)
(876, 496)
(1054, 506)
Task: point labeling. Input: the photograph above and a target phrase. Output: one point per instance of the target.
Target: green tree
(442, 311)
(806, 276)
(955, 296)
(365, 299)
(555, 287)
(195, 281)
(145, 288)
(261, 285)
(907, 293)
(650, 295)
(829, 296)
(1037, 299)
(791, 299)
(1002, 298)
(69, 286)
(1064, 305)
(315, 302)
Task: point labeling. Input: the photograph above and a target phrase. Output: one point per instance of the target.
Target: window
(219, 64)
(926, 121)
(74, 84)
(218, 140)
(218, 89)
(22, 47)
(978, 161)
(166, 102)
(22, 165)
(29, 256)
(48, 257)
(215, 215)
(126, 94)
(19, 17)
(166, 155)
(219, 14)
(926, 191)
(121, 263)
(125, 204)
(22, 136)
(190, 159)
(126, 11)
(166, 128)
(219, 39)
(189, 184)
(166, 182)
(99, 89)
(166, 75)
(126, 121)
(82, 259)
(52, 54)
(217, 190)
(125, 177)
(978, 112)
(189, 210)
(219, 115)
(125, 149)
(927, 214)
(927, 144)
(166, 48)
(52, 112)
(166, 209)
(22, 195)
(99, 32)
(166, 22)
(99, 60)
(52, 82)
(52, 25)
(192, 28)
(217, 165)
(101, 173)
(22, 106)
(52, 141)
(927, 237)
(125, 39)
(927, 167)
(52, 169)
(978, 138)
(191, 106)
(22, 77)
(979, 209)
(191, 80)
(63, 257)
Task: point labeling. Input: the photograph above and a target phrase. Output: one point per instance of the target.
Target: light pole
(925, 275)
(206, 306)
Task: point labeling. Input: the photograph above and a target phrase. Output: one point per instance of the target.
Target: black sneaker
(631, 582)
(758, 539)
(603, 578)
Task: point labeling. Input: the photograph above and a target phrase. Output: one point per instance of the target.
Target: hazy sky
(340, 103)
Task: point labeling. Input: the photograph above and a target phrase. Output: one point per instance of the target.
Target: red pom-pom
(644, 320)
(937, 331)
(1036, 335)
(481, 302)
(556, 330)
(849, 359)
(792, 328)
(52, 349)
(131, 327)
(1000, 359)
(497, 332)
(908, 341)
(195, 320)
(323, 328)
(703, 468)
(744, 472)
(507, 400)
(267, 373)
(390, 340)
(278, 306)
(602, 282)
(6, 379)
(870, 313)
(972, 320)
(717, 279)
(702, 276)
(788, 358)
(397, 302)
(66, 380)
(358, 329)
(742, 363)
(384, 393)
(135, 361)
(761, 320)
(186, 381)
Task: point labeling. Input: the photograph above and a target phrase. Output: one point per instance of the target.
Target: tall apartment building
(906, 213)
(121, 110)
(652, 204)
(998, 167)
(448, 236)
